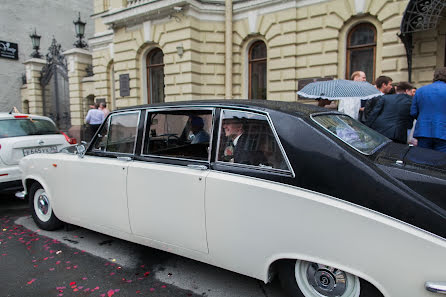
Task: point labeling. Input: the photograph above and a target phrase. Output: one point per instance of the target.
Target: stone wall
(302, 42)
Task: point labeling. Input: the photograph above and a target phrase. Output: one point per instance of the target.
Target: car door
(95, 194)
(166, 184)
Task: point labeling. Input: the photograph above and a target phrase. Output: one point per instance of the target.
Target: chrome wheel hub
(327, 281)
(43, 204)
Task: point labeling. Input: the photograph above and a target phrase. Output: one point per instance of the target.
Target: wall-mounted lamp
(35, 40)
(180, 50)
(79, 26)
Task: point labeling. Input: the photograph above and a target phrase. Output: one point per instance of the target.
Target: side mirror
(80, 148)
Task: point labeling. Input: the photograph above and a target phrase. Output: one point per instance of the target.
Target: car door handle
(436, 287)
(197, 167)
(127, 159)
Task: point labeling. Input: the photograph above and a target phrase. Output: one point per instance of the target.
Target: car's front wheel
(307, 279)
(41, 208)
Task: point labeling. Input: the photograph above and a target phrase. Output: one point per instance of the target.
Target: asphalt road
(79, 262)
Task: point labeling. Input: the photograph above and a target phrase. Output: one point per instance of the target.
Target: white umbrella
(339, 89)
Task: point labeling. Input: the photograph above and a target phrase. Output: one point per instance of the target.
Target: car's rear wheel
(307, 279)
(41, 208)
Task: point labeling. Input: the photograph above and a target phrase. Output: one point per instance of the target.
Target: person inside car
(241, 147)
(198, 134)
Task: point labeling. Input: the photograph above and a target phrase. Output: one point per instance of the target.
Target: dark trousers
(432, 143)
(92, 130)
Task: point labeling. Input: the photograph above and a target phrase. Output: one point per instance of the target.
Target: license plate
(39, 150)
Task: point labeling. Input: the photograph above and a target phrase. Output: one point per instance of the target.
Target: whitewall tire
(307, 279)
(41, 208)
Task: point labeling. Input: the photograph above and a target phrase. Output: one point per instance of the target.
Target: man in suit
(384, 85)
(391, 115)
(429, 108)
(242, 148)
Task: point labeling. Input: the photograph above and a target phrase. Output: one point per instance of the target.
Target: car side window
(184, 134)
(247, 138)
(118, 135)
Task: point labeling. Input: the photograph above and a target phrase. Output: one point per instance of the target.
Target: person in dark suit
(242, 148)
(391, 115)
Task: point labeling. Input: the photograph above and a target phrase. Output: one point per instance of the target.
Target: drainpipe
(228, 49)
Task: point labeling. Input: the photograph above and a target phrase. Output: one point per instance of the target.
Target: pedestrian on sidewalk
(391, 115)
(349, 106)
(94, 119)
(429, 108)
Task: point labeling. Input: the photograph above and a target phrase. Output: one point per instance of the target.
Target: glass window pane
(100, 143)
(120, 135)
(247, 138)
(258, 50)
(352, 132)
(156, 57)
(157, 84)
(258, 80)
(362, 35)
(28, 126)
(179, 134)
(362, 59)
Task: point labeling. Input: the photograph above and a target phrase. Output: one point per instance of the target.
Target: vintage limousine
(265, 188)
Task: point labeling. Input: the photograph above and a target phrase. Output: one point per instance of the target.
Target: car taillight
(69, 139)
(20, 116)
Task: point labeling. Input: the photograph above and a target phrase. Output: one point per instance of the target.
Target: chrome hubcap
(327, 281)
(43, 204)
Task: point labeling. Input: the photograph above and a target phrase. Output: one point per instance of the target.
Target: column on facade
(33, 92)
(228, 49)
(79, 87)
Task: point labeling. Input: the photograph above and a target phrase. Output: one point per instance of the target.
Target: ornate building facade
(146, 51)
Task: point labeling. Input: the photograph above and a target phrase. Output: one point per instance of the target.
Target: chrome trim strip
(341, 114)
(436, 287)
(174, 158)
(193, 106)
(266, 114)
(176, 108)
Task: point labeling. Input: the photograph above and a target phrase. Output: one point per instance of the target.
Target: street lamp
(35, 40)
(79, 26)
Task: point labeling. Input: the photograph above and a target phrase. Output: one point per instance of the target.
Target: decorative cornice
(101, 40)
(140, 11)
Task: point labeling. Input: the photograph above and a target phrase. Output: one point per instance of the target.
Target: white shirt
(350, 107)
(236, 140)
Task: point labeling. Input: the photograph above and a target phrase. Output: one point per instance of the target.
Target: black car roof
(287, 107)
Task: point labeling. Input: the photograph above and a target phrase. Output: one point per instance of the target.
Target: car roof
(261, 105)
(7, 115)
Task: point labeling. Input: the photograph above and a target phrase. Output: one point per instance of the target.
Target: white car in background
(22, 135)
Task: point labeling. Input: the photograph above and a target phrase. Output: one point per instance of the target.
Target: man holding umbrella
(349, 106)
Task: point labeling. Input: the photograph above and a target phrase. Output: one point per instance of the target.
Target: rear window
(24, 127)
(352, 132)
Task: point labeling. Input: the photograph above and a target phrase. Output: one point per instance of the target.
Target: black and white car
(22, 135)
(260, 188)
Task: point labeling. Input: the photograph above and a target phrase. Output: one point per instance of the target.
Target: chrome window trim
(136, 135)
(276, 136)
(341, 114)
(180, 108)
(197, 106)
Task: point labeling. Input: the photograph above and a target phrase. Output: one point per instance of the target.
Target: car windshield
(352, 132)
(26, 126)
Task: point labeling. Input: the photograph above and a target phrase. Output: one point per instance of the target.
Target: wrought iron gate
(55, 88)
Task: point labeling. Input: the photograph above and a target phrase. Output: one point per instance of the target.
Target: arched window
(257, 70)
(155, 76)
(26, 106)
(361, 50)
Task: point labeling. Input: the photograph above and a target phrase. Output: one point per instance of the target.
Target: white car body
(241, 223)
(13, 149)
